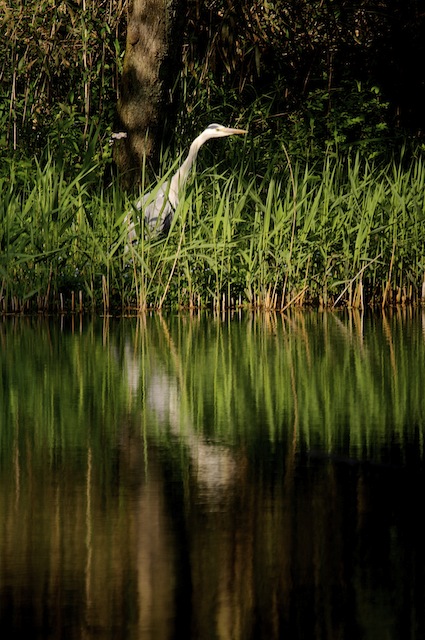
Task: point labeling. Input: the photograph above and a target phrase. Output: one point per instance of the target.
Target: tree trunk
(151, 63)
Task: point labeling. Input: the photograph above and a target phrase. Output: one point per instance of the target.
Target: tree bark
(151, 64)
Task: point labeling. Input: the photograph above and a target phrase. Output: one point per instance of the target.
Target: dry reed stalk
(358, 302)
(161, 302)
(105, 295)
(294, 219)
(390, 271)
(294, 299)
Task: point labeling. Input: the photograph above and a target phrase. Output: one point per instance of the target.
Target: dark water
(237, 478)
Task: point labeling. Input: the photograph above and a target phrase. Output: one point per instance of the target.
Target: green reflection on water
(155, 474)
(316, 379)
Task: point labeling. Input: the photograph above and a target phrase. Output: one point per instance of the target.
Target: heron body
(158, 211)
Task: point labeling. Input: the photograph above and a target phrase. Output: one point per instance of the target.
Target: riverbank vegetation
(340, 231)
(323, 204)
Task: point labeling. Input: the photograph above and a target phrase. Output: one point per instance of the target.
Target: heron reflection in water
(158, 210)
(214, 466)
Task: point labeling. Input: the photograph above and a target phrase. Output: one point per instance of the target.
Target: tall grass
(347, 232)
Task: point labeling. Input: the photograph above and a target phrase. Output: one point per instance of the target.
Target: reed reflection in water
(254, 477)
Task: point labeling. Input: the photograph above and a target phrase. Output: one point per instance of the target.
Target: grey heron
(158, 210)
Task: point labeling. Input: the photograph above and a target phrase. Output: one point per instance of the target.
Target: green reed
(346, 232)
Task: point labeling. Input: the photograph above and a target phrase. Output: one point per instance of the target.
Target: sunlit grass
(346, 233)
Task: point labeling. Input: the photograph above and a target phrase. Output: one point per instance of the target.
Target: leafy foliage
(298, 50)
(334, 232)
(321, 74)
(317, 209)
(59, 69)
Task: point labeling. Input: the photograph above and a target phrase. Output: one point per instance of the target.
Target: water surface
(237, 477)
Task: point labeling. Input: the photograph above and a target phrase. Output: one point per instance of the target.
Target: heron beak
(232, 132)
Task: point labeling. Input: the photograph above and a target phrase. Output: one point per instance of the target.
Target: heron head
(218, 131)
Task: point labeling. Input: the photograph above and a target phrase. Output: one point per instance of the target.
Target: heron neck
(180, 177)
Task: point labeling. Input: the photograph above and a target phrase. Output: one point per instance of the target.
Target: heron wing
(158, 210)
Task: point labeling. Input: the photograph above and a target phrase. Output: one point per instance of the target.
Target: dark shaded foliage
(318, 73)
(309, 46)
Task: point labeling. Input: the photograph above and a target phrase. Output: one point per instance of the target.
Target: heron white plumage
(158, 211)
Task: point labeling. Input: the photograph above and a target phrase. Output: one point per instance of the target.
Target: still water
(246, 477)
